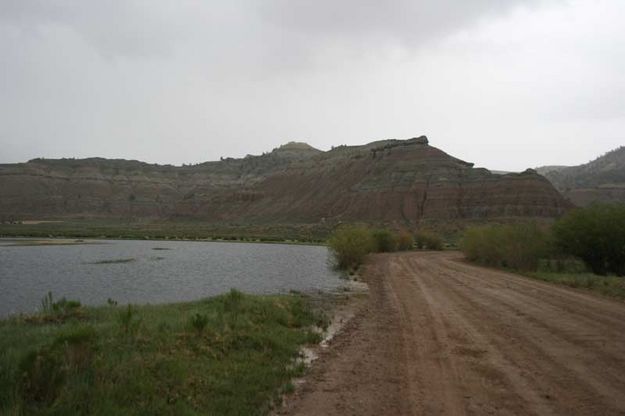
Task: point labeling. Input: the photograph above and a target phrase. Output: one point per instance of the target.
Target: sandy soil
(442, 337)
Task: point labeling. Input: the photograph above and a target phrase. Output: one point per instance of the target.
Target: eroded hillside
(602, 180)
(401, 181)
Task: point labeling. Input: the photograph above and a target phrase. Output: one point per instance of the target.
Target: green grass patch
(229, 355)
(606, 285)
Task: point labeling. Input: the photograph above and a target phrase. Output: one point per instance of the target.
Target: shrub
(428, 240)
(350, 245)
(385, 241)
(198, 322)
(404, 241)
(512, 246)
(596, 235)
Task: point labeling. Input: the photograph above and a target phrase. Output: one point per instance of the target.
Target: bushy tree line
(518, 246)
(350, 244)
(595, 235)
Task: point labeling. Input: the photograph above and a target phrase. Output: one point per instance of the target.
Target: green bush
(385, 241)
(404, 241)
(428, 240)
(596, 235)
(350, 245)
(519, 246)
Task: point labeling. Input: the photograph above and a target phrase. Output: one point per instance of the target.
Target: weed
(128, 320)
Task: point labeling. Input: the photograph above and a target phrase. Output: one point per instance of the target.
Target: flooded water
(156, 271)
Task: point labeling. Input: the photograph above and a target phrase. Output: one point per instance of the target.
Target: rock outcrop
(391, 181)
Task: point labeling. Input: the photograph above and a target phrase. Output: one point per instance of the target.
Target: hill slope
(602, 180)
(392, 181)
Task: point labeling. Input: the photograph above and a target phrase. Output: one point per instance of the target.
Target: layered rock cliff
(402, 181)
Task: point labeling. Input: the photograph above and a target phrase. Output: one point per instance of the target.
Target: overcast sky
(506, 84)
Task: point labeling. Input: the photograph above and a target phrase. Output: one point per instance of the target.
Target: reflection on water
(155, 271)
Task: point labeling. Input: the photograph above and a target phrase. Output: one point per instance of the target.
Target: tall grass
(230, 355)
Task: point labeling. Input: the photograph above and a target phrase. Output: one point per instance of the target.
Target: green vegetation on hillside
(229, 355)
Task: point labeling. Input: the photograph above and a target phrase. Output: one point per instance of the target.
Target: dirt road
(442, 337)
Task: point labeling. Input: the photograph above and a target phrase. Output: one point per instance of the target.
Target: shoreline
(172, 239)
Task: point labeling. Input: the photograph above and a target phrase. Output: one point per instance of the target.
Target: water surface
(155, 271)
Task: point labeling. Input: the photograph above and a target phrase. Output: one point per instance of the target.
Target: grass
(611, 286)
(230, 355)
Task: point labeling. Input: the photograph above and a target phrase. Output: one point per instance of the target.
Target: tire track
(443, 337)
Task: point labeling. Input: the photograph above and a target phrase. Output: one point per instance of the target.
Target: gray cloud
(188, 81)
(406, 20)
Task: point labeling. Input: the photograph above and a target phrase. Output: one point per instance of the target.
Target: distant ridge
(601, 180)
(400, 182)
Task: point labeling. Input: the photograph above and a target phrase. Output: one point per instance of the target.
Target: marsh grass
(56, 311)
(239, 363)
